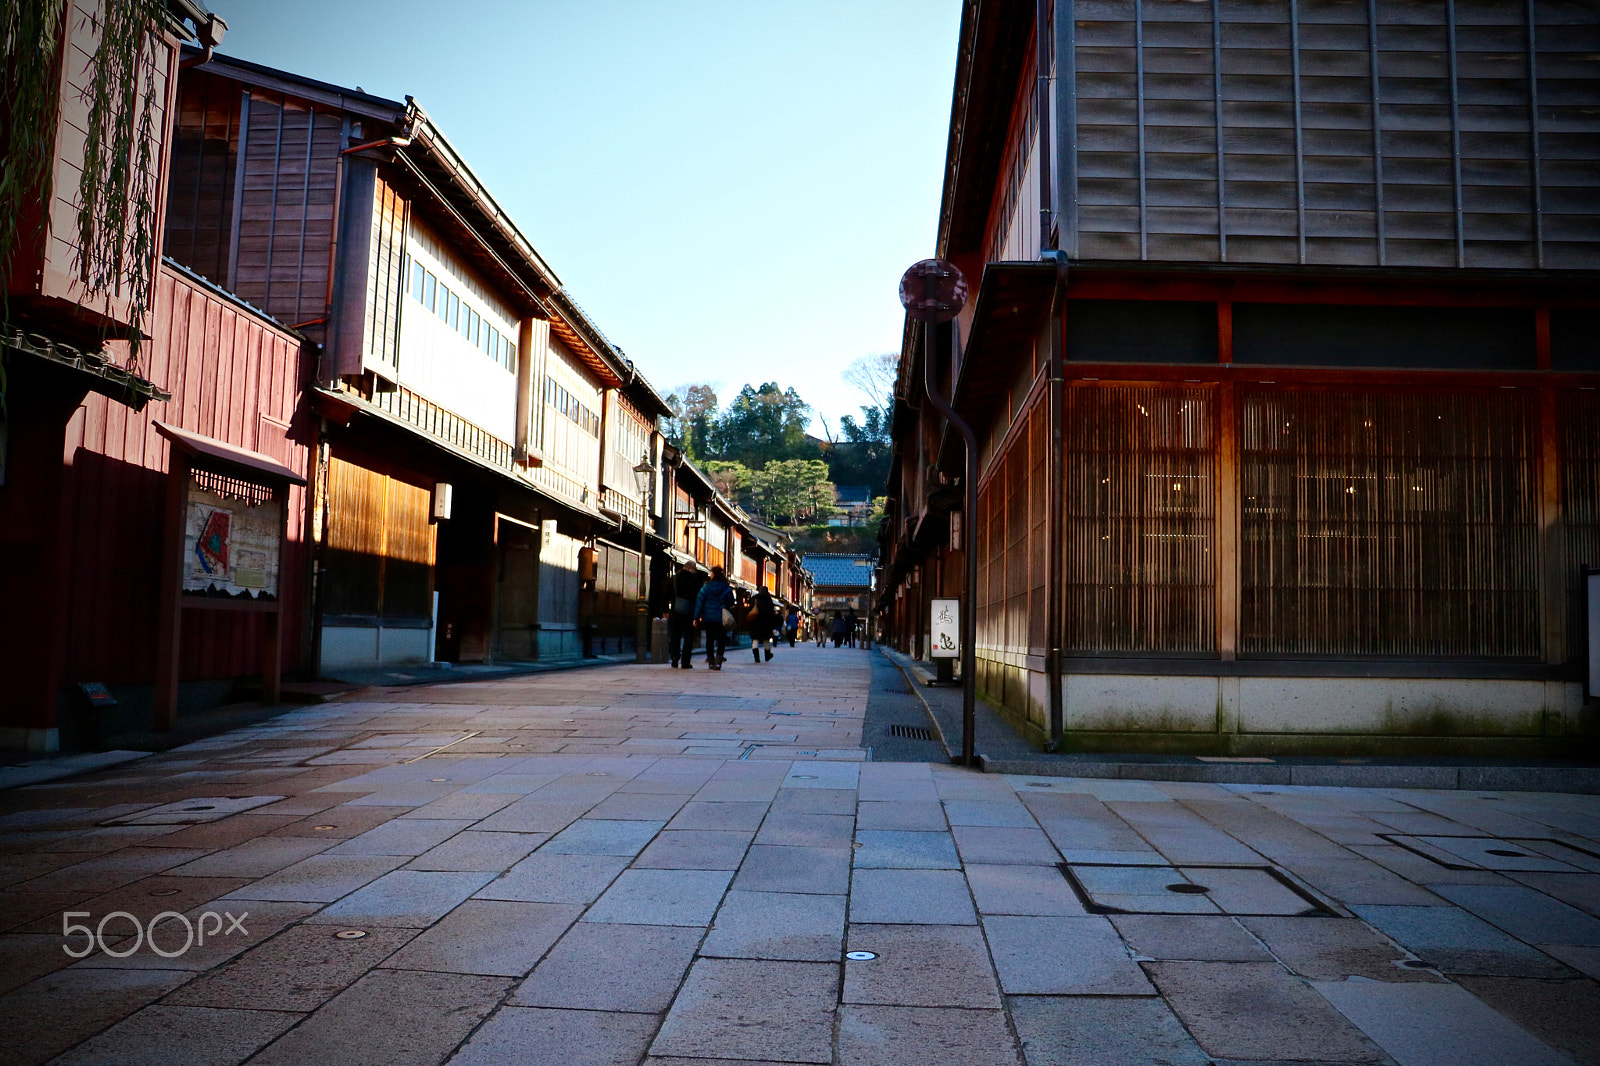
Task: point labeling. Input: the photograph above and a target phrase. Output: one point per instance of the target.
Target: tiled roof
(839, 569)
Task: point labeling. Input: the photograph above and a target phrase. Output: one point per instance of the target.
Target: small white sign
(946, 628)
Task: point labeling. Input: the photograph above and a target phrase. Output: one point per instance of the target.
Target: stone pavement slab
(1560, 1013)
(795, 869)
(742, 1009)
(564, 1037)
(319, 879)
(410, 898)
(777, 925)
(661, 897)
(1254, 1010)
(1063, 956)
(1039, 890)
(181, 1036)
(920, 897)
(920, 966)
(50, 1014)
(897, 849)
(1331, 949)
(695, 849)
(470, 851)
(1436, 1025)
(1202, 938)
(1102, 1031)
(598, 836)
(601, 967)
(483, 936)
(546, 878)
(358, 1027)
(1458, 942)
(895, 1036)
(298, 970)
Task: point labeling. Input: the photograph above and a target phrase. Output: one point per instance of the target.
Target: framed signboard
(225, 534)
(945, 628)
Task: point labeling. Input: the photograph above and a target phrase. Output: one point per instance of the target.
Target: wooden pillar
(169, 613)
(1226, 521)
(1552, 544)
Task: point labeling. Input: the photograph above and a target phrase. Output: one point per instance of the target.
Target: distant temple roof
(837, 570)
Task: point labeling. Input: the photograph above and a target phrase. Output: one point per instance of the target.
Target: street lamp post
(643, 474)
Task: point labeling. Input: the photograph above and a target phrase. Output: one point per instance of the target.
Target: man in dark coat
(715, 597)
(680, 620)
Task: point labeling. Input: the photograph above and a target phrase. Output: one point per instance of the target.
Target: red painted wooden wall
(233, 376)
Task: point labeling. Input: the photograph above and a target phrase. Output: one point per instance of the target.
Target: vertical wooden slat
(1227, 523)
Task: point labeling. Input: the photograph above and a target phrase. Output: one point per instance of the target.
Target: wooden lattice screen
(1395, 524)
(1139, 500)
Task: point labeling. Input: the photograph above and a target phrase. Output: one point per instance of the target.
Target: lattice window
(1140, 506)
(1388, 524)
(232, 488)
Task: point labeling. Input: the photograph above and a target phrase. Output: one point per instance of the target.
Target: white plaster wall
(349, 646)
(439, 363)
(1419, 706)
(1123, 702)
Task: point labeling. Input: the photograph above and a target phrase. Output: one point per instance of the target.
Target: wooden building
(84, 466)
(474, 488)
(1281, 354)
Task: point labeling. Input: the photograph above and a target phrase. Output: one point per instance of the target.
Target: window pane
(418, 276)
(428, 290)
(444, 302)
(511, 356)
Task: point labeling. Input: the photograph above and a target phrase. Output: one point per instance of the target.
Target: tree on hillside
(874, 376)
(863, 456)
(731, 479)
(694, 407)
(792, 491)
(762, 425)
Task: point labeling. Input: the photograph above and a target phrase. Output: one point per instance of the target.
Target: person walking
(762, 621)
(792, 625)
(840, 629)
(851, 624)
(680, 621)
(819, 630)
(711, 606)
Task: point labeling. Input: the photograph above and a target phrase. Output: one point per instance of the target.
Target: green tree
(731, 479)
(694, 409)
(792, 491)
(863, 456)
(763, 424)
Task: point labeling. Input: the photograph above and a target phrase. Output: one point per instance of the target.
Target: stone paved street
(629, 864)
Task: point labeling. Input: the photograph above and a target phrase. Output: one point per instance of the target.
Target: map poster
(945, 616)
(229, 545)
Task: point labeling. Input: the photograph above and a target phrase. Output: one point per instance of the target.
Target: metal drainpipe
(1055, 520)
(969, 617)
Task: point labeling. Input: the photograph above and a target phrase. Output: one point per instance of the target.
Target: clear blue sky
(730, 189)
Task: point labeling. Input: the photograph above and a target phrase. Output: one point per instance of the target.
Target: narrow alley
(629, 864)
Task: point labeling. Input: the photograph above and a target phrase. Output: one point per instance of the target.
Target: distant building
(854, 505)
(842, 582)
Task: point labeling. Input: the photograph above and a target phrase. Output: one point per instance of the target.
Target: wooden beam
(1226, 522)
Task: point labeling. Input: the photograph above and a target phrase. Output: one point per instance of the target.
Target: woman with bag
(713, 616)
(762, 621)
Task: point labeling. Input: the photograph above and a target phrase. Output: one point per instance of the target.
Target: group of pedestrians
(709, 607)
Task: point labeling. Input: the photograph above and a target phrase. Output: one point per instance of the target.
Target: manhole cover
(1242, 891)
(194, 811)
(911, 732)
(1509, 854)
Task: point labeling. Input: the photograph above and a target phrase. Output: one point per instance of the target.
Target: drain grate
(911, 732)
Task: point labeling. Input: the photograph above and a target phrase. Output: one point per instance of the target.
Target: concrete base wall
(1293, 715)
(366, 646)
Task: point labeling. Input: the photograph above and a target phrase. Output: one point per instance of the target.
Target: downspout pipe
(969, 617)
(1055, 503)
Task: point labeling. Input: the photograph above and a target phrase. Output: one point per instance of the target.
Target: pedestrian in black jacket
(763, 621)
(680, 621)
